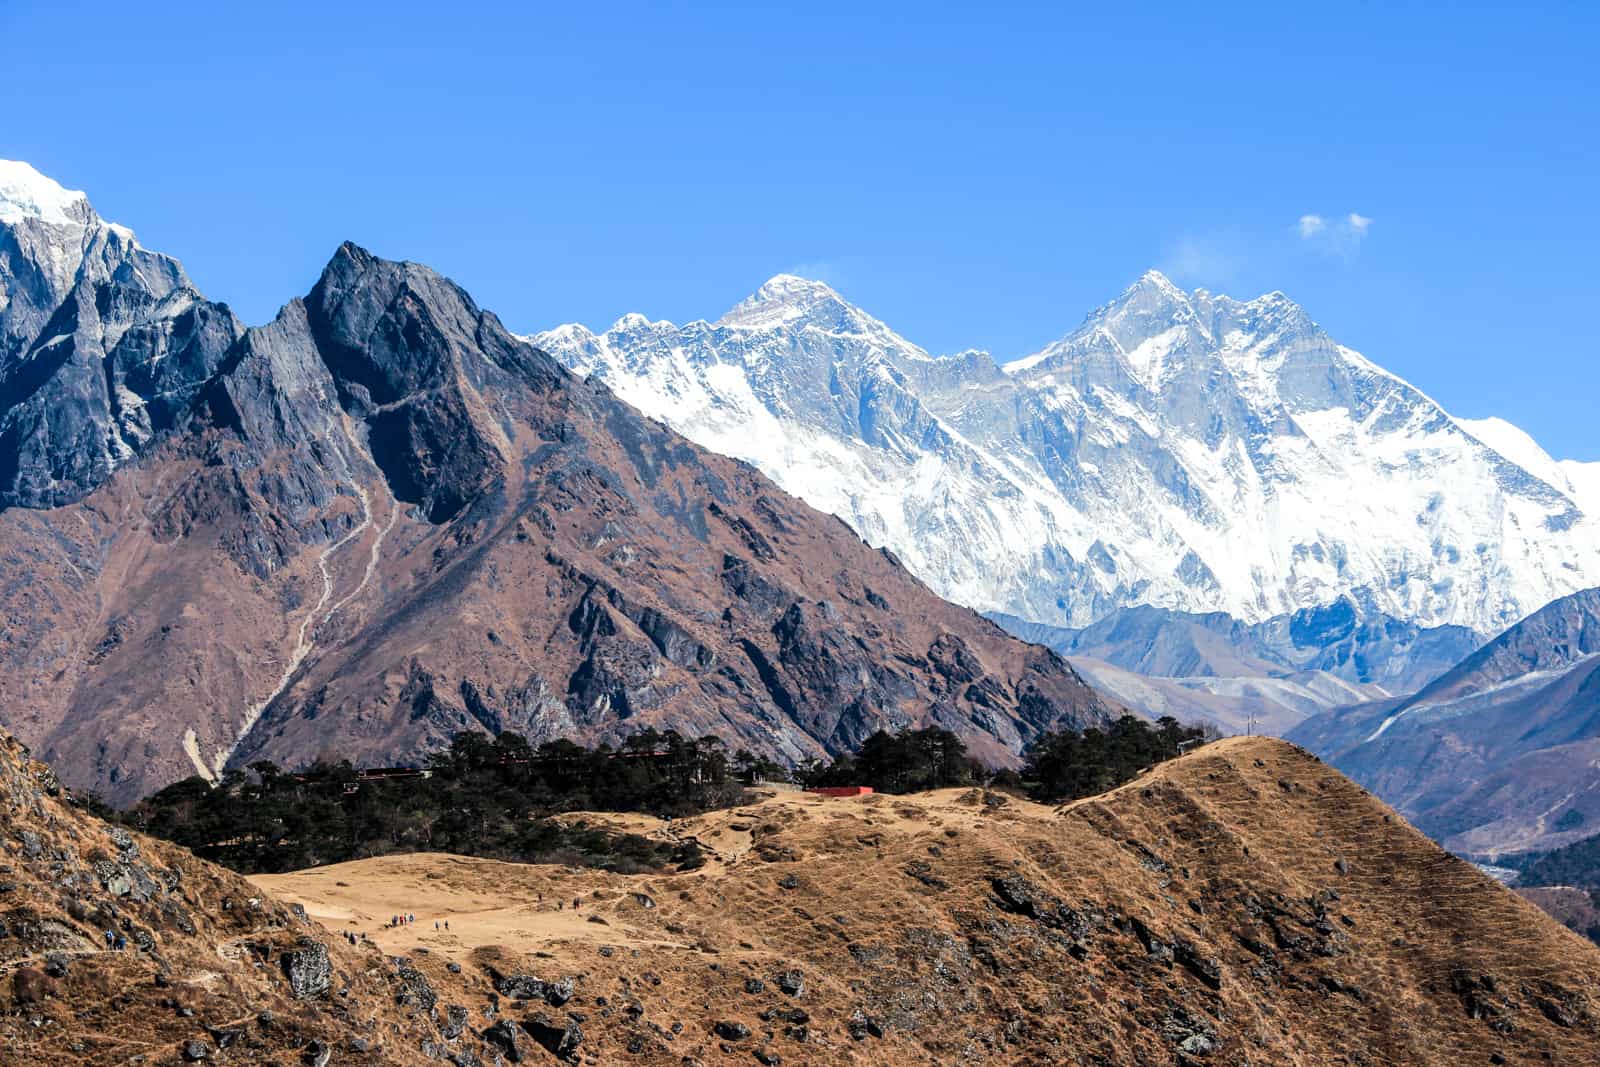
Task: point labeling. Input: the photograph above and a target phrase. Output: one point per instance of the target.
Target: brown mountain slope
(384, 519)
(211, 969)
(1244, 904)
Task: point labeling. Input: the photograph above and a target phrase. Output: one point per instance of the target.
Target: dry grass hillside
(1242, 905)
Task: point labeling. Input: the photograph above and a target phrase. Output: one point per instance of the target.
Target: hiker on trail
(575, 903)
(436, 924)
(111, 938)
(447, 924)
(122, 942)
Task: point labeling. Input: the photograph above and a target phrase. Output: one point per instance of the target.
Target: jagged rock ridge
(102, 343)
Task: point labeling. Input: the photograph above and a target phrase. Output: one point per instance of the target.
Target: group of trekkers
(407, 919)
(115, 941)
(576, 902)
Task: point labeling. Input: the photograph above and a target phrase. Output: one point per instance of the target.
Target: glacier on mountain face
(1179, 449)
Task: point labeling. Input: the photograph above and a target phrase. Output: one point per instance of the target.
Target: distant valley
(1265, 677)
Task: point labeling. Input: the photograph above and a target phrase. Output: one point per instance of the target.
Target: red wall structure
(841, 790)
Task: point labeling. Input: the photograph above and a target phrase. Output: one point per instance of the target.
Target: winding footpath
(305, 640)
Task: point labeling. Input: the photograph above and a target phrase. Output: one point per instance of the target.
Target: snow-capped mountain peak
(788, 298)
(788, 302)
(1153, 288)
(1185, 450)
(27, 194)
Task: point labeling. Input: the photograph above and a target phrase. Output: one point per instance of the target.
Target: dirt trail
(305, 638)
(486, 904)
(372, 564)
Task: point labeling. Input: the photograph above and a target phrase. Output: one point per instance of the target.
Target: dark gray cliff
(103, 346)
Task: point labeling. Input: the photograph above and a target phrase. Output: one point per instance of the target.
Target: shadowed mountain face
(1497, 755)
(383, 519)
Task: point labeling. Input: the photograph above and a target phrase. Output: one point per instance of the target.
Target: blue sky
(975, 178)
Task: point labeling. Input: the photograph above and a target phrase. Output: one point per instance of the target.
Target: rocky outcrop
(119, 948)
(307, 968)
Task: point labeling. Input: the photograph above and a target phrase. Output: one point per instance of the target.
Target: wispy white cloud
(818, 270)
(1340, 237)
(1203, 259)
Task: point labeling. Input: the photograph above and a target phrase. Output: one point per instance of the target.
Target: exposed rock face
(670, 587)
(381, 519)
(307, 968)
(102, 347)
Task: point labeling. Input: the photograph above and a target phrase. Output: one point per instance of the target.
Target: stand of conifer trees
(493, 797)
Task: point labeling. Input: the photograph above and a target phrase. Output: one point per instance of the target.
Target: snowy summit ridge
(27, 194)
(1181, 449)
